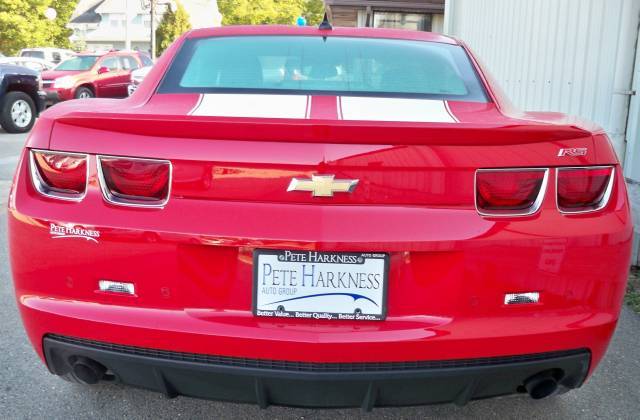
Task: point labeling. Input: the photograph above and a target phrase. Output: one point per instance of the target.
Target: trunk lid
(424, 160)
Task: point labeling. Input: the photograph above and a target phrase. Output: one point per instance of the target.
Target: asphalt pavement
(28, 390)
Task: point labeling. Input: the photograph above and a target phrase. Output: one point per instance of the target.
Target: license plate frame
(327, 260)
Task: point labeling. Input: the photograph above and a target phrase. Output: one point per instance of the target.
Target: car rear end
(167, 245)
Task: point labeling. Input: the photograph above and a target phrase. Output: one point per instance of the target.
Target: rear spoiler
(324, 131)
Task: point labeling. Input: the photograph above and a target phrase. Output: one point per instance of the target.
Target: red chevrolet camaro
(319, 217)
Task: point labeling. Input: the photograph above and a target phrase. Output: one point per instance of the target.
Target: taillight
(510, 192)
(134, 181)
(585, 189)
(59, 174)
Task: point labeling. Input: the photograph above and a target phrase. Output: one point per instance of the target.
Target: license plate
(320, 285)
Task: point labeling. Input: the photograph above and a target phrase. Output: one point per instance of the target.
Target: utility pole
(153, 29)
(127, 37)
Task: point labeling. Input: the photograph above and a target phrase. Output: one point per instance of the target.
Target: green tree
(257, 12)
(173, 24)
(59, 32)
(23, 24)
(20, 26)
(314, 11)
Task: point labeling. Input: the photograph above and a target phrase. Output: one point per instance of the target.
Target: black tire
(14, 116)
(84, 93)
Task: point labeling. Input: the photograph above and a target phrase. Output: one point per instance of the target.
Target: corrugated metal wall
(573, 56)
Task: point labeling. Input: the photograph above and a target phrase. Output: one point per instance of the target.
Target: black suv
(21, 98)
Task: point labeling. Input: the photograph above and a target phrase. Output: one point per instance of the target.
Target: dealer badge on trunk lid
(320, 285)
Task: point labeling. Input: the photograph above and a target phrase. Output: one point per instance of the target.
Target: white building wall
(572, 56)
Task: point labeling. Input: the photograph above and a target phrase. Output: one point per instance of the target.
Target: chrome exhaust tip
(87, 371)
(542, 384)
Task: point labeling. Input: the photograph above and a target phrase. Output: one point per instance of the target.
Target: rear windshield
(84, 62)
(334, 65)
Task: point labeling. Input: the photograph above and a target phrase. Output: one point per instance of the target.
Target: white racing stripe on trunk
(307, 113)
(446, 104)
(196, 106)
(395, 109)
(251, 106)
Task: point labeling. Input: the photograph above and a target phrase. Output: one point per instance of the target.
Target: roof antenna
(325, 25)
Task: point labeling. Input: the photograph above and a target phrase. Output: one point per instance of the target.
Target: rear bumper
(365, 385)
(192, 267)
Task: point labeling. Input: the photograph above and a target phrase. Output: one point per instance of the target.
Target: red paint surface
(324, 107)
(191, 262)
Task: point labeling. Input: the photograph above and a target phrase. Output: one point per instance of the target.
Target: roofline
(246, 30)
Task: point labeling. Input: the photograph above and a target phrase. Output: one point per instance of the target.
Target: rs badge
(574, 151)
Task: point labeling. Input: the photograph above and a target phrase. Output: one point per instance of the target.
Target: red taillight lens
(130, 181)
(59, 175)
(509, 192)
(584, 189)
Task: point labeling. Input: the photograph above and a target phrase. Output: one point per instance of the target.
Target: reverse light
(59, 174)
(584, 189)
(135, 181)
(520, 298)
(116, 287)
(510, 192)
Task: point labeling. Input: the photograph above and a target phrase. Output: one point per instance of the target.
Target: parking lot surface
(28, 390)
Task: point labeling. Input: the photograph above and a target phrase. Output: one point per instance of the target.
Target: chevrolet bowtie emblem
(323, 185)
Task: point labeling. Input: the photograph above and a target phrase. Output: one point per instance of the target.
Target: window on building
(117, 19)
(411, 21)
(362, 19)
(396, 20)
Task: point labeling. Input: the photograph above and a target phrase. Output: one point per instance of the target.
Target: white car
(54, 55)
(137, 76)
(36, 64)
